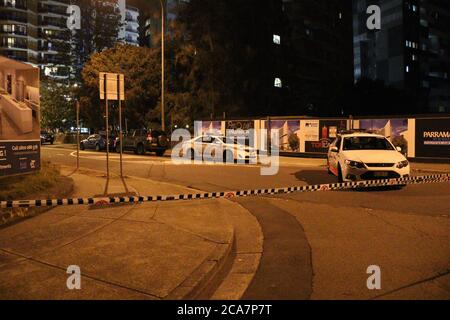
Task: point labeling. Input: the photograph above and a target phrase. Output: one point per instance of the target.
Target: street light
(77, 106)
(163, 120)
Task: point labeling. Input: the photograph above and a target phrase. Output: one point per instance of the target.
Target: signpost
(112, 87)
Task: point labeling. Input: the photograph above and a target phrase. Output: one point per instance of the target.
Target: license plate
(381, 174)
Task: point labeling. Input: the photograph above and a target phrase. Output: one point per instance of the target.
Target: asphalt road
(285, 270)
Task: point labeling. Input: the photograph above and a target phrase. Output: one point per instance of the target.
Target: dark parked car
(97, 142)
(142, 140)
(47, 137)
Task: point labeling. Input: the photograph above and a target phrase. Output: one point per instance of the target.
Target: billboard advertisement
(19, 118)
(289, 134)
(396, 130)
(433, 138)
(319, 134)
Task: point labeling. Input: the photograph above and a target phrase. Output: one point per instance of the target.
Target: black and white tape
(226, 194)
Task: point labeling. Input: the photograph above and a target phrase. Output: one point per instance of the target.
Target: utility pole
(78, 133)
(163, 120)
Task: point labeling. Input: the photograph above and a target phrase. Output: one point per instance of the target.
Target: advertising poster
(19, 118)
(211, 127)
(396, 130)
(433, 138)
(327, 132)
(289, 133)
(310, 130)
(240, 127)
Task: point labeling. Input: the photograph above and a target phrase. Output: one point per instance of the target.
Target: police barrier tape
(227, 194)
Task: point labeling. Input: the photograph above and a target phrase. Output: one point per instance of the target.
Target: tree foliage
(57, 107)
(142, 83)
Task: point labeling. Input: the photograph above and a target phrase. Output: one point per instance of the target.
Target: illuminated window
(276, 39)
(278, 83)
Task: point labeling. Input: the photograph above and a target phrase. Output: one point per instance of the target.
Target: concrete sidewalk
(142, 251)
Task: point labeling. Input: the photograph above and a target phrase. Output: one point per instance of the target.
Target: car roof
(361, 134)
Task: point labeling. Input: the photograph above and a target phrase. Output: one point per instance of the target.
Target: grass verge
(45, 184)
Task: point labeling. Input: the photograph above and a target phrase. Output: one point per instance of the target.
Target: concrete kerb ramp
(145, 251)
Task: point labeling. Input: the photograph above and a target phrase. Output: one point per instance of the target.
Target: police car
(356, 156)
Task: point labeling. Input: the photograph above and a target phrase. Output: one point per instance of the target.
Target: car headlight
(402, 164)
(355, 164)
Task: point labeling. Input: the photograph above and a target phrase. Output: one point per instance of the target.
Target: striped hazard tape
(227, 194)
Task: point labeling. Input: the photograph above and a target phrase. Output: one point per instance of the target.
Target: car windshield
(367, 143)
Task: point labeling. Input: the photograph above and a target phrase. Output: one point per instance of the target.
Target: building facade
(129, 32)
(411, 51)
(33, 31)
(36, 31)
(316, 49)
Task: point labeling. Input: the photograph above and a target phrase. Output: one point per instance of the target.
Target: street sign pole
(120, 124)
(107, 131)
(112, 87)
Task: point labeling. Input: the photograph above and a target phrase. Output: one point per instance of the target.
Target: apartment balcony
(13, 16)
(13, 32)
(14, 55)
(19, 4)
(13, 43)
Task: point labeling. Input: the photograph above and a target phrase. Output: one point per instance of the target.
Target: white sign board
(113, 82)
(310, 130)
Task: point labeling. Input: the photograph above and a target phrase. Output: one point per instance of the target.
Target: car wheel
(82, 146)
(51, 142)
(140, 149)
(97, 147)
(340, 179)
(160, 153)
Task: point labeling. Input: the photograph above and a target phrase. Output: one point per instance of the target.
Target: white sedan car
(218, 148)
(366, 156)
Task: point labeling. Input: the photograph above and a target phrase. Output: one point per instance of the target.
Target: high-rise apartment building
(32, 31)
(35, 31)
(314, 48)
(410, 52)
(129, 32)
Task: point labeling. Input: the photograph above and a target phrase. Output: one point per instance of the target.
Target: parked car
(47, 137)
(97, 142)
(230, 148)
(141, 141)
(357, 156)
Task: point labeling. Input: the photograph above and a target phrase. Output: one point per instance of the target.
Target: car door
(333, 157)
(128, 140)
(89, 141)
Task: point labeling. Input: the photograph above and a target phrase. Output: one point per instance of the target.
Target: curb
(197, 282)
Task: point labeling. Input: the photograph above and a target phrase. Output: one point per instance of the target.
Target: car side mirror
(399, 149)
(334, 149)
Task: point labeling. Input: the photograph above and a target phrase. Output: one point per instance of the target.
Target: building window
(276, 39)
(278, 83)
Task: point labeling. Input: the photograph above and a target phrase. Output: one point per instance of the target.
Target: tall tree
(142, 72)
